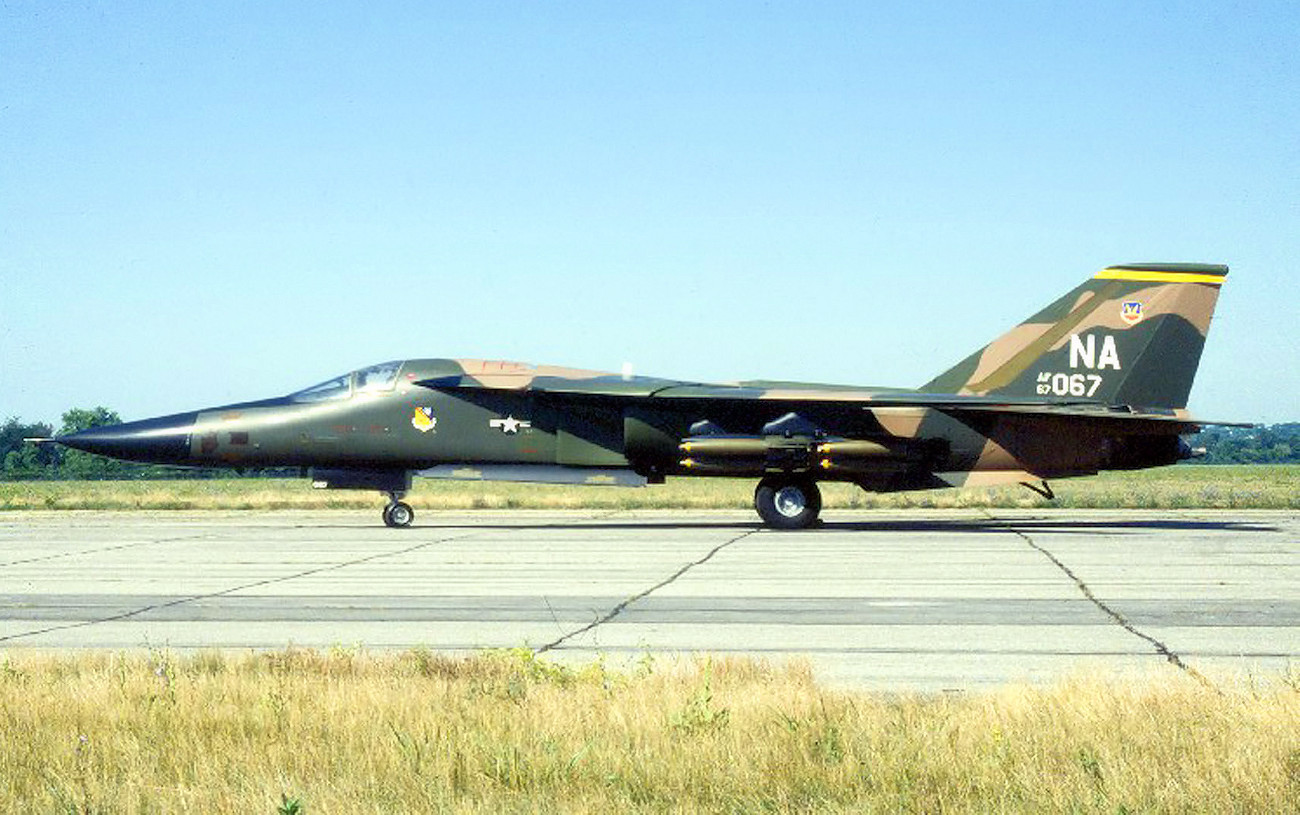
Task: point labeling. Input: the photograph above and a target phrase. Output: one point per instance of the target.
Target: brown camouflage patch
(507, 375)
(904, 423)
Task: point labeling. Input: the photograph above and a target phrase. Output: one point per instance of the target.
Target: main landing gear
(398, 513)
(786, 502)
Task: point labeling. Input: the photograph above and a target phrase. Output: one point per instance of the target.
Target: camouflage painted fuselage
(1097, 380)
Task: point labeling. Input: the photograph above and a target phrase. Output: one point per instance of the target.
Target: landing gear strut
(398, 513)
(786, 502)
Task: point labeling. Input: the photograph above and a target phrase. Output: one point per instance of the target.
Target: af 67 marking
(1052, 384)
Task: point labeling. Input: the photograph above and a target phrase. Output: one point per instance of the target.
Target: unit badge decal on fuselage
(1130, 311)
(423, 420)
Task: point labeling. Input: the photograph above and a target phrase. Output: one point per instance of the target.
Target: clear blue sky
(210, 202)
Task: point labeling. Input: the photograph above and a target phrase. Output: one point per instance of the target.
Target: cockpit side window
(379, 377)
(337, 388)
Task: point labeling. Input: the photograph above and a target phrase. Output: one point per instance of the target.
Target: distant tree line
(1268, 444)
(19, 461)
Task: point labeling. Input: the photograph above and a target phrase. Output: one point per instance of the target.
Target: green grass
(1182, 487)
(345, 731)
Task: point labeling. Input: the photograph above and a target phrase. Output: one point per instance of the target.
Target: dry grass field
(342, 731)
(1182, 487)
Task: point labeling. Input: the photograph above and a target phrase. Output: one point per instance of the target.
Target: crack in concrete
(114, 548)
(618, 609)
(1122, 621)
(126, 615)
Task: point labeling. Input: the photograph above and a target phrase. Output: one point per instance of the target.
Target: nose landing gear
(398, 514)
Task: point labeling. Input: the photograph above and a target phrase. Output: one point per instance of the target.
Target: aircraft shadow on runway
(955, 525)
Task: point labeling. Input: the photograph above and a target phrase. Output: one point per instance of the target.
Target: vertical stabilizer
(1130, 335)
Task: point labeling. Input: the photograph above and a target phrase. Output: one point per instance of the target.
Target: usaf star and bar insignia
(509, 424)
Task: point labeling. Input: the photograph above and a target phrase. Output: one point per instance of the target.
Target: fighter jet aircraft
(1098, 380)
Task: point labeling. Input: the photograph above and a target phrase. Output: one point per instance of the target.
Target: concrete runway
(927, 600)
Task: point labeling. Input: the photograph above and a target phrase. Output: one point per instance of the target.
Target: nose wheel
(788, 503)
(398, 514)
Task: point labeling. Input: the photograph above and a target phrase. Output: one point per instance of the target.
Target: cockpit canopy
(374, 379)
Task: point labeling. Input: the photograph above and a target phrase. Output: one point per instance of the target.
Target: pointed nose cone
(165, 440)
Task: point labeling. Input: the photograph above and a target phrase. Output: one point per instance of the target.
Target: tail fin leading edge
(1130, 335)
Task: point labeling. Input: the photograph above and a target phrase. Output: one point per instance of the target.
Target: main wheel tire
(398, 515)
(788, 503)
